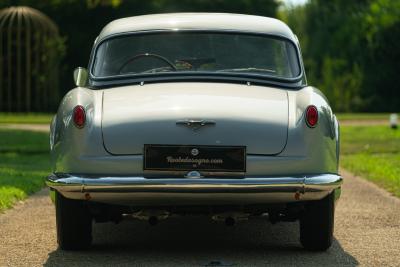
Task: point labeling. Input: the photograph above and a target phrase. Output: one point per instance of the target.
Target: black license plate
(192, 157)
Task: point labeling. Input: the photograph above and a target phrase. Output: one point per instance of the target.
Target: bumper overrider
(186, 191)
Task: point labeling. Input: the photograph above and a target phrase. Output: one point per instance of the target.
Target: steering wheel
(161, 58)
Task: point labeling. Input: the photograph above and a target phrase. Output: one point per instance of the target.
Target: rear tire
(74, 223)
(316, 224)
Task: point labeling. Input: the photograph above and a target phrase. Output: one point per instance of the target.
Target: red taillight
(79, 116)
(311, 116)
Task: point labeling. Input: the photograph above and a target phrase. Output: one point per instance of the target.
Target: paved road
(367, 233)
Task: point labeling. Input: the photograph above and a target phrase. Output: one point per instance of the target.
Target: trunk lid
(234, 115)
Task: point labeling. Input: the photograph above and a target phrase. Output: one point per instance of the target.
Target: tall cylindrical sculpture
(30, 53)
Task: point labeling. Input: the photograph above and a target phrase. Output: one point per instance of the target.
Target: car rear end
(196, 135)
(262, 140)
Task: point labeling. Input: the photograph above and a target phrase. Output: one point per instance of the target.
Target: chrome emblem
(193, 175)
(195, 124)
(194, 152)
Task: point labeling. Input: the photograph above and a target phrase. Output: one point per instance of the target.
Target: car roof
(198, 21)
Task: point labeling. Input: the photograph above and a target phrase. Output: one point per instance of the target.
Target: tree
(351, 51)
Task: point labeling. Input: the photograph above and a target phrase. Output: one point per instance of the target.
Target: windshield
(195, 52)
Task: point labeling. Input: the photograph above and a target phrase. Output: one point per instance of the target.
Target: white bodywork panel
(251, 116)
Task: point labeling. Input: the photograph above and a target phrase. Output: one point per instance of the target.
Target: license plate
(192, 157)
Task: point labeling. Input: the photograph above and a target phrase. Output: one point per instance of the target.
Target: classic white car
(194, 113)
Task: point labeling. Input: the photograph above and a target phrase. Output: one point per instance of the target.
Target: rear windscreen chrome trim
(104, 84)
(106, 81)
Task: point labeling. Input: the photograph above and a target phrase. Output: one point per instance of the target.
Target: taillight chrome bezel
(80, 121)
(311, 111)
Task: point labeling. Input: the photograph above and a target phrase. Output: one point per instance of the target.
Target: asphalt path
(367, 232)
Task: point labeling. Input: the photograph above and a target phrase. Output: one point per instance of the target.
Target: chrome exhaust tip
(230, 218)
(151, 216)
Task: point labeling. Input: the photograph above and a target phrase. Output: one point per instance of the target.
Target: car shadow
(198, 241)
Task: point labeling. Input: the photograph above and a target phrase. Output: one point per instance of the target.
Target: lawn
(362, 116)
(32, 118)
(24, 164)
(373, 152)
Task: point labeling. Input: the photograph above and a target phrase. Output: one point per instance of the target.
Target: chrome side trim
(184, 191)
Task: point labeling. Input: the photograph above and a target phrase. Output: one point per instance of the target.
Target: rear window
(195, 52)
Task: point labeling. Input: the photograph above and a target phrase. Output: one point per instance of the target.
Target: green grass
(24, 163)
(369, 139)
(24, 142)
(373, 152)
(30, 118)
(362, 116)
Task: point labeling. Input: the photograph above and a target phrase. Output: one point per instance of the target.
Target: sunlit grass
(373, 152)
(382, 169)
(362, 116)
(369, 139)
(29, 118)
(17, 183)
(24, 164)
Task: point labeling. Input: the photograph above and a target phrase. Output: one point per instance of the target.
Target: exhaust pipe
(151, 216)
(230, 218)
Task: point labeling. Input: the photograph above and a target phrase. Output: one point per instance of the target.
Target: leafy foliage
(350, 48)
(351, 51)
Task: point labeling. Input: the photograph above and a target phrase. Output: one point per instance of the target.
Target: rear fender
(319, 145)
(67, 142)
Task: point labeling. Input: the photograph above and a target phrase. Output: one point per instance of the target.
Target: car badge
(193, 175)
(195, 124)
(194, 152)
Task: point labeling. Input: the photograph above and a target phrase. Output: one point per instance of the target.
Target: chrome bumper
(187, 191)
